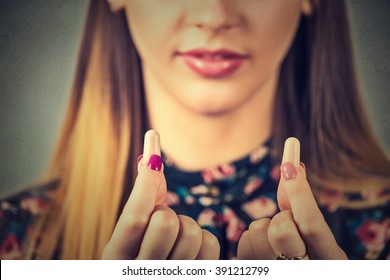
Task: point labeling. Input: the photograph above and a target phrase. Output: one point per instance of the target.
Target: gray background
(38, 48)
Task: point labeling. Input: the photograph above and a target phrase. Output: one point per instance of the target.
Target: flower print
(199, 190)
(206, 201)
(258, 154)
(260, 207)
(373, 195)
(235, 226)
(220, 172)
(275, 173)
(253, 184)
(35, 205)
(184, 193)
(330, 199)
(207, 218)
(203, 190)
(11, 248)
(374, 235)
(172, 199)
(6, 206)
(214, 191)
(189, 200)
(207, 176)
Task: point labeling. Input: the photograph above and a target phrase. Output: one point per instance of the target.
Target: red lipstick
(213, 63)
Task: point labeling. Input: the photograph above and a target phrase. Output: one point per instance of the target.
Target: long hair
(318, 91)
(317, 101)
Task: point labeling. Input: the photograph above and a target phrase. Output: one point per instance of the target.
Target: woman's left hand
(299, 230)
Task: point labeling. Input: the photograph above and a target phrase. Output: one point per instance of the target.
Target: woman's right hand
(148, 230)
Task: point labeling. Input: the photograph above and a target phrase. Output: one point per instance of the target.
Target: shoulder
(17, 214)
(32, 200)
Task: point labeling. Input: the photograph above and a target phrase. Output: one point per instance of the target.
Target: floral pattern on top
(17, 215)
(224, 200)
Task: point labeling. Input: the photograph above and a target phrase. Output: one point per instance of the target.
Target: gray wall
(38, 47)
(371, 30)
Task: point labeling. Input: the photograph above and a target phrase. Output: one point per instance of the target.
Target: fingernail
(155, 162)
(288, 171)
(139, 157)
(291, 152)
(151, 145)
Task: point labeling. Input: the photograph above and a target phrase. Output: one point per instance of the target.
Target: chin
(208, 107)
(214, 112)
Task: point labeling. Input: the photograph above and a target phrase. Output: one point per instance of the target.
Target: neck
(193, 141)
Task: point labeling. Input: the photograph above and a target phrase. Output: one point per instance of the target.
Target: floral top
(224, 200)
(227, 198)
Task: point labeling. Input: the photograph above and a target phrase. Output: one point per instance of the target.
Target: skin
(197, 116)
(299, 229)
(148, 230)
(227, 108)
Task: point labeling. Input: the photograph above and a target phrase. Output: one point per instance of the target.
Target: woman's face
(211, 56)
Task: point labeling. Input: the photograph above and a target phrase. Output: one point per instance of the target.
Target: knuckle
(259, 225)
(284, 217)
(148, 178)
(278, 234)
(244, 235)
(189, 228)
(163, 208)
(310, 229)
(281, 230)
(165, 219)
(210, 240)
(342, 255)
(136, 223)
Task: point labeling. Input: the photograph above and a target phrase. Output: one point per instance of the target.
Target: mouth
(213, 63)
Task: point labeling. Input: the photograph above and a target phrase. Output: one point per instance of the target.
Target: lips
(213, 63)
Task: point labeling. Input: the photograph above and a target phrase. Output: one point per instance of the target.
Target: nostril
(214, 27)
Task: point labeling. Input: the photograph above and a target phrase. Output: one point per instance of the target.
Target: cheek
(144, 36)
(151, 26)
(274, 31)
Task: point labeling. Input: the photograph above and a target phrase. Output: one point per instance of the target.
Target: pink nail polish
(139, 157)
(303, 165)
(155, 162)
(288, 171)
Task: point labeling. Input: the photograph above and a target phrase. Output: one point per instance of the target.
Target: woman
(225, 83)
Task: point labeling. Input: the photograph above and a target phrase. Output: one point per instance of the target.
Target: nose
(214, 15)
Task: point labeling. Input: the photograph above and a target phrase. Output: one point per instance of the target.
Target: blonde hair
(91, 157)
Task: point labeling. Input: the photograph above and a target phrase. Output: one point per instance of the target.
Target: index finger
(308, 217)
(130, 228)
(150, 177)
(294, 183)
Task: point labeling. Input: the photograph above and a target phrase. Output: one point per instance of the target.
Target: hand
(148, 230)
(299, 230)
